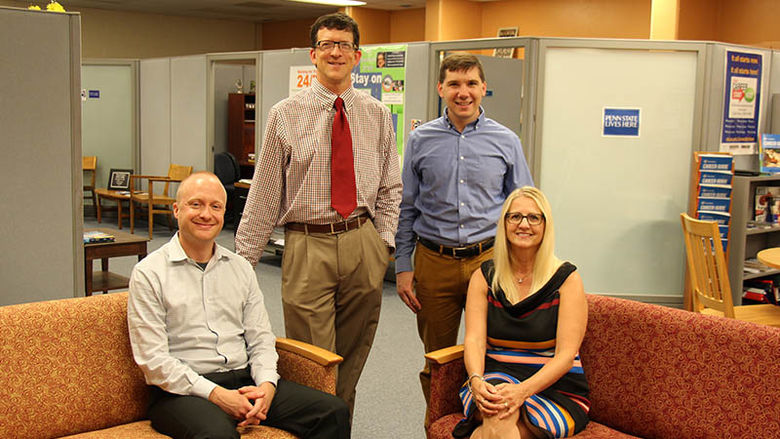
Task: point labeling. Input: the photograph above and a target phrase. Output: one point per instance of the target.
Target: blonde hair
(545, 262)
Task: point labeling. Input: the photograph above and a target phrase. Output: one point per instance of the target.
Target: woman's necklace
(521, 279)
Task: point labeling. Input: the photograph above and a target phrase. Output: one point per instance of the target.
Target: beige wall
(116, 34)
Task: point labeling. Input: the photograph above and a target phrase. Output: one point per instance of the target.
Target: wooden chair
(153, 202)
(709, 276)
(89, 167)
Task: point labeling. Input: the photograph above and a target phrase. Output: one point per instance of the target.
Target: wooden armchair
(709, 276)
(89, 168)
(155, 202)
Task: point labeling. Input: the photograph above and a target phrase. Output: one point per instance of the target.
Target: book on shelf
(770, 152)
(95, 236)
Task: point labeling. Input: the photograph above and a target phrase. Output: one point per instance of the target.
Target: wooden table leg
(97, 207)
(119, 212)
(104, 269)
(88, 277)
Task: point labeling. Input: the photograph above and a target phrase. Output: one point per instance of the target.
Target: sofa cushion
(442, 429)
(144, 430)
(68, 363)
(662, 372)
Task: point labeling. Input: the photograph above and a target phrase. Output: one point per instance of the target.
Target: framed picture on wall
(505, 52)
(119, 179)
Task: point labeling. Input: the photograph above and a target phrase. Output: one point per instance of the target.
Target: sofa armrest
(447, 376)
(307, 364)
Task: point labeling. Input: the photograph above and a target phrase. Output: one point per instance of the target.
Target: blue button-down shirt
(455, 183)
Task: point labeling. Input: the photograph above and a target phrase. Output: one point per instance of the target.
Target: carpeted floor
(389, 401)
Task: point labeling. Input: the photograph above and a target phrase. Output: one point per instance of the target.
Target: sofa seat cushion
(144, 430)
(442, 429)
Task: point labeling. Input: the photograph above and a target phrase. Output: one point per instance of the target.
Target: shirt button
(462, 203)
(462, 136)
(461, 226)
(461, 181)
(462, 158)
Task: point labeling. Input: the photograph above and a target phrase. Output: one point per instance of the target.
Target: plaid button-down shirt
(292, 176)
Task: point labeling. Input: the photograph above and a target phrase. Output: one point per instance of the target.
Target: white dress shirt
(185, 322)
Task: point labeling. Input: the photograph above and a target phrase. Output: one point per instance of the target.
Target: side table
(125, 244)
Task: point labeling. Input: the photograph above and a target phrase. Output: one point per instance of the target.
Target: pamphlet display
(770, 153)
(713, 200)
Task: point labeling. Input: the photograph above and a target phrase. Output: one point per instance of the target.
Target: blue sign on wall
(621, 122)
(94, 94)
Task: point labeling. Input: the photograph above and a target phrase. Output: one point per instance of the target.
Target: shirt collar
(326, 98)
(476, 124)
(177, 254)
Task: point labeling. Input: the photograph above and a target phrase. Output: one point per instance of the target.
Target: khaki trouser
(332, 293)
(441, 286)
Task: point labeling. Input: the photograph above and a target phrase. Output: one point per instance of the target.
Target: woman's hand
(512, 397)
(485, 397)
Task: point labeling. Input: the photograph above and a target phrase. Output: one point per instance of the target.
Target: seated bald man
(201, 335)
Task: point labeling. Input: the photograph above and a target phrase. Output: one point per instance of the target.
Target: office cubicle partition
(40, 174)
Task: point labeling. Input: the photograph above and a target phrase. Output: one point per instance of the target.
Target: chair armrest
(306, 364)
(445, 355)
(168, 179)
(447, 376)
(323, 357)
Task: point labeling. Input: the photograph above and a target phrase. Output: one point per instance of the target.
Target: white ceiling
(249, 10)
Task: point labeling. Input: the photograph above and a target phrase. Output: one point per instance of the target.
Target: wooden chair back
(178, 173)
(707, 266)
(89, 165)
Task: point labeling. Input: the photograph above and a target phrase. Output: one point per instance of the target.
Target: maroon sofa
(655, 372)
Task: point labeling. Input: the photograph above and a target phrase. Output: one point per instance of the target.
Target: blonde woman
(526, 315)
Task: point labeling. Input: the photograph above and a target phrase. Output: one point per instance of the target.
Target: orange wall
(286, 34)
(459, 19)
(407, 25)
(569, 18)
(374, 24)
(698, 20)
(751, 22)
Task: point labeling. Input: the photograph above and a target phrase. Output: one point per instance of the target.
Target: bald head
(199, 180)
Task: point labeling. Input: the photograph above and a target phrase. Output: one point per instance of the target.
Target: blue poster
(621, 122)
(741, 109)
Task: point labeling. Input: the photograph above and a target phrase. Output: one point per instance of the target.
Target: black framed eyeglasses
(515, 218)
(328, 45)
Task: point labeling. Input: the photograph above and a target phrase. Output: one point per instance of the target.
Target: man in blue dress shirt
(458, 169)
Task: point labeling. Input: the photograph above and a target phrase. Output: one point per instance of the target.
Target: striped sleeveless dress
(520, 340)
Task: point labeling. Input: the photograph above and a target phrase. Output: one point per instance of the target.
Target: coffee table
(125, 244)
(117, 196)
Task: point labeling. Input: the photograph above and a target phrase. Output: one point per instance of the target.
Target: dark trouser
(301, 410)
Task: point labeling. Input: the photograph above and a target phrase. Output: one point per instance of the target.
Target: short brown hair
(460, 62)
(338, 21)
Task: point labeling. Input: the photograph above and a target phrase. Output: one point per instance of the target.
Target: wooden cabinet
(746, 242)
(241, 127)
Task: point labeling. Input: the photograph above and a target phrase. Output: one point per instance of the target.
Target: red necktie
(343, 195)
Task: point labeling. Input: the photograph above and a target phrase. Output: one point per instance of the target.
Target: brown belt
(332, 229)
(459, 252)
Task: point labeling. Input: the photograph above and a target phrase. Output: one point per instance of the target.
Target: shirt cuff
(202, 387)
(266, 375)
(403, 263)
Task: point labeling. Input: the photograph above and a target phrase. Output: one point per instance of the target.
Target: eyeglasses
(328, 45)
(197, 205)
(515, 218)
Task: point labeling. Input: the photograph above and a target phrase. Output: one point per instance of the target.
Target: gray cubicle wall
(42, 256)
(173, 113)
(617, 199)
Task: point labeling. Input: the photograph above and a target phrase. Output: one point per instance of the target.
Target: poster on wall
(301, 77)
(382, 74)
(742, 107)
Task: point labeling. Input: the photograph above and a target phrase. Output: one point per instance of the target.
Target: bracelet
(473, 375)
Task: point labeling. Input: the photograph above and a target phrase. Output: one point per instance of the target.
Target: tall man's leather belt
(333, 228)
(459, 252)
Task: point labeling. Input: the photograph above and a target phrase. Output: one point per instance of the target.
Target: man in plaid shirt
(334, 260)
